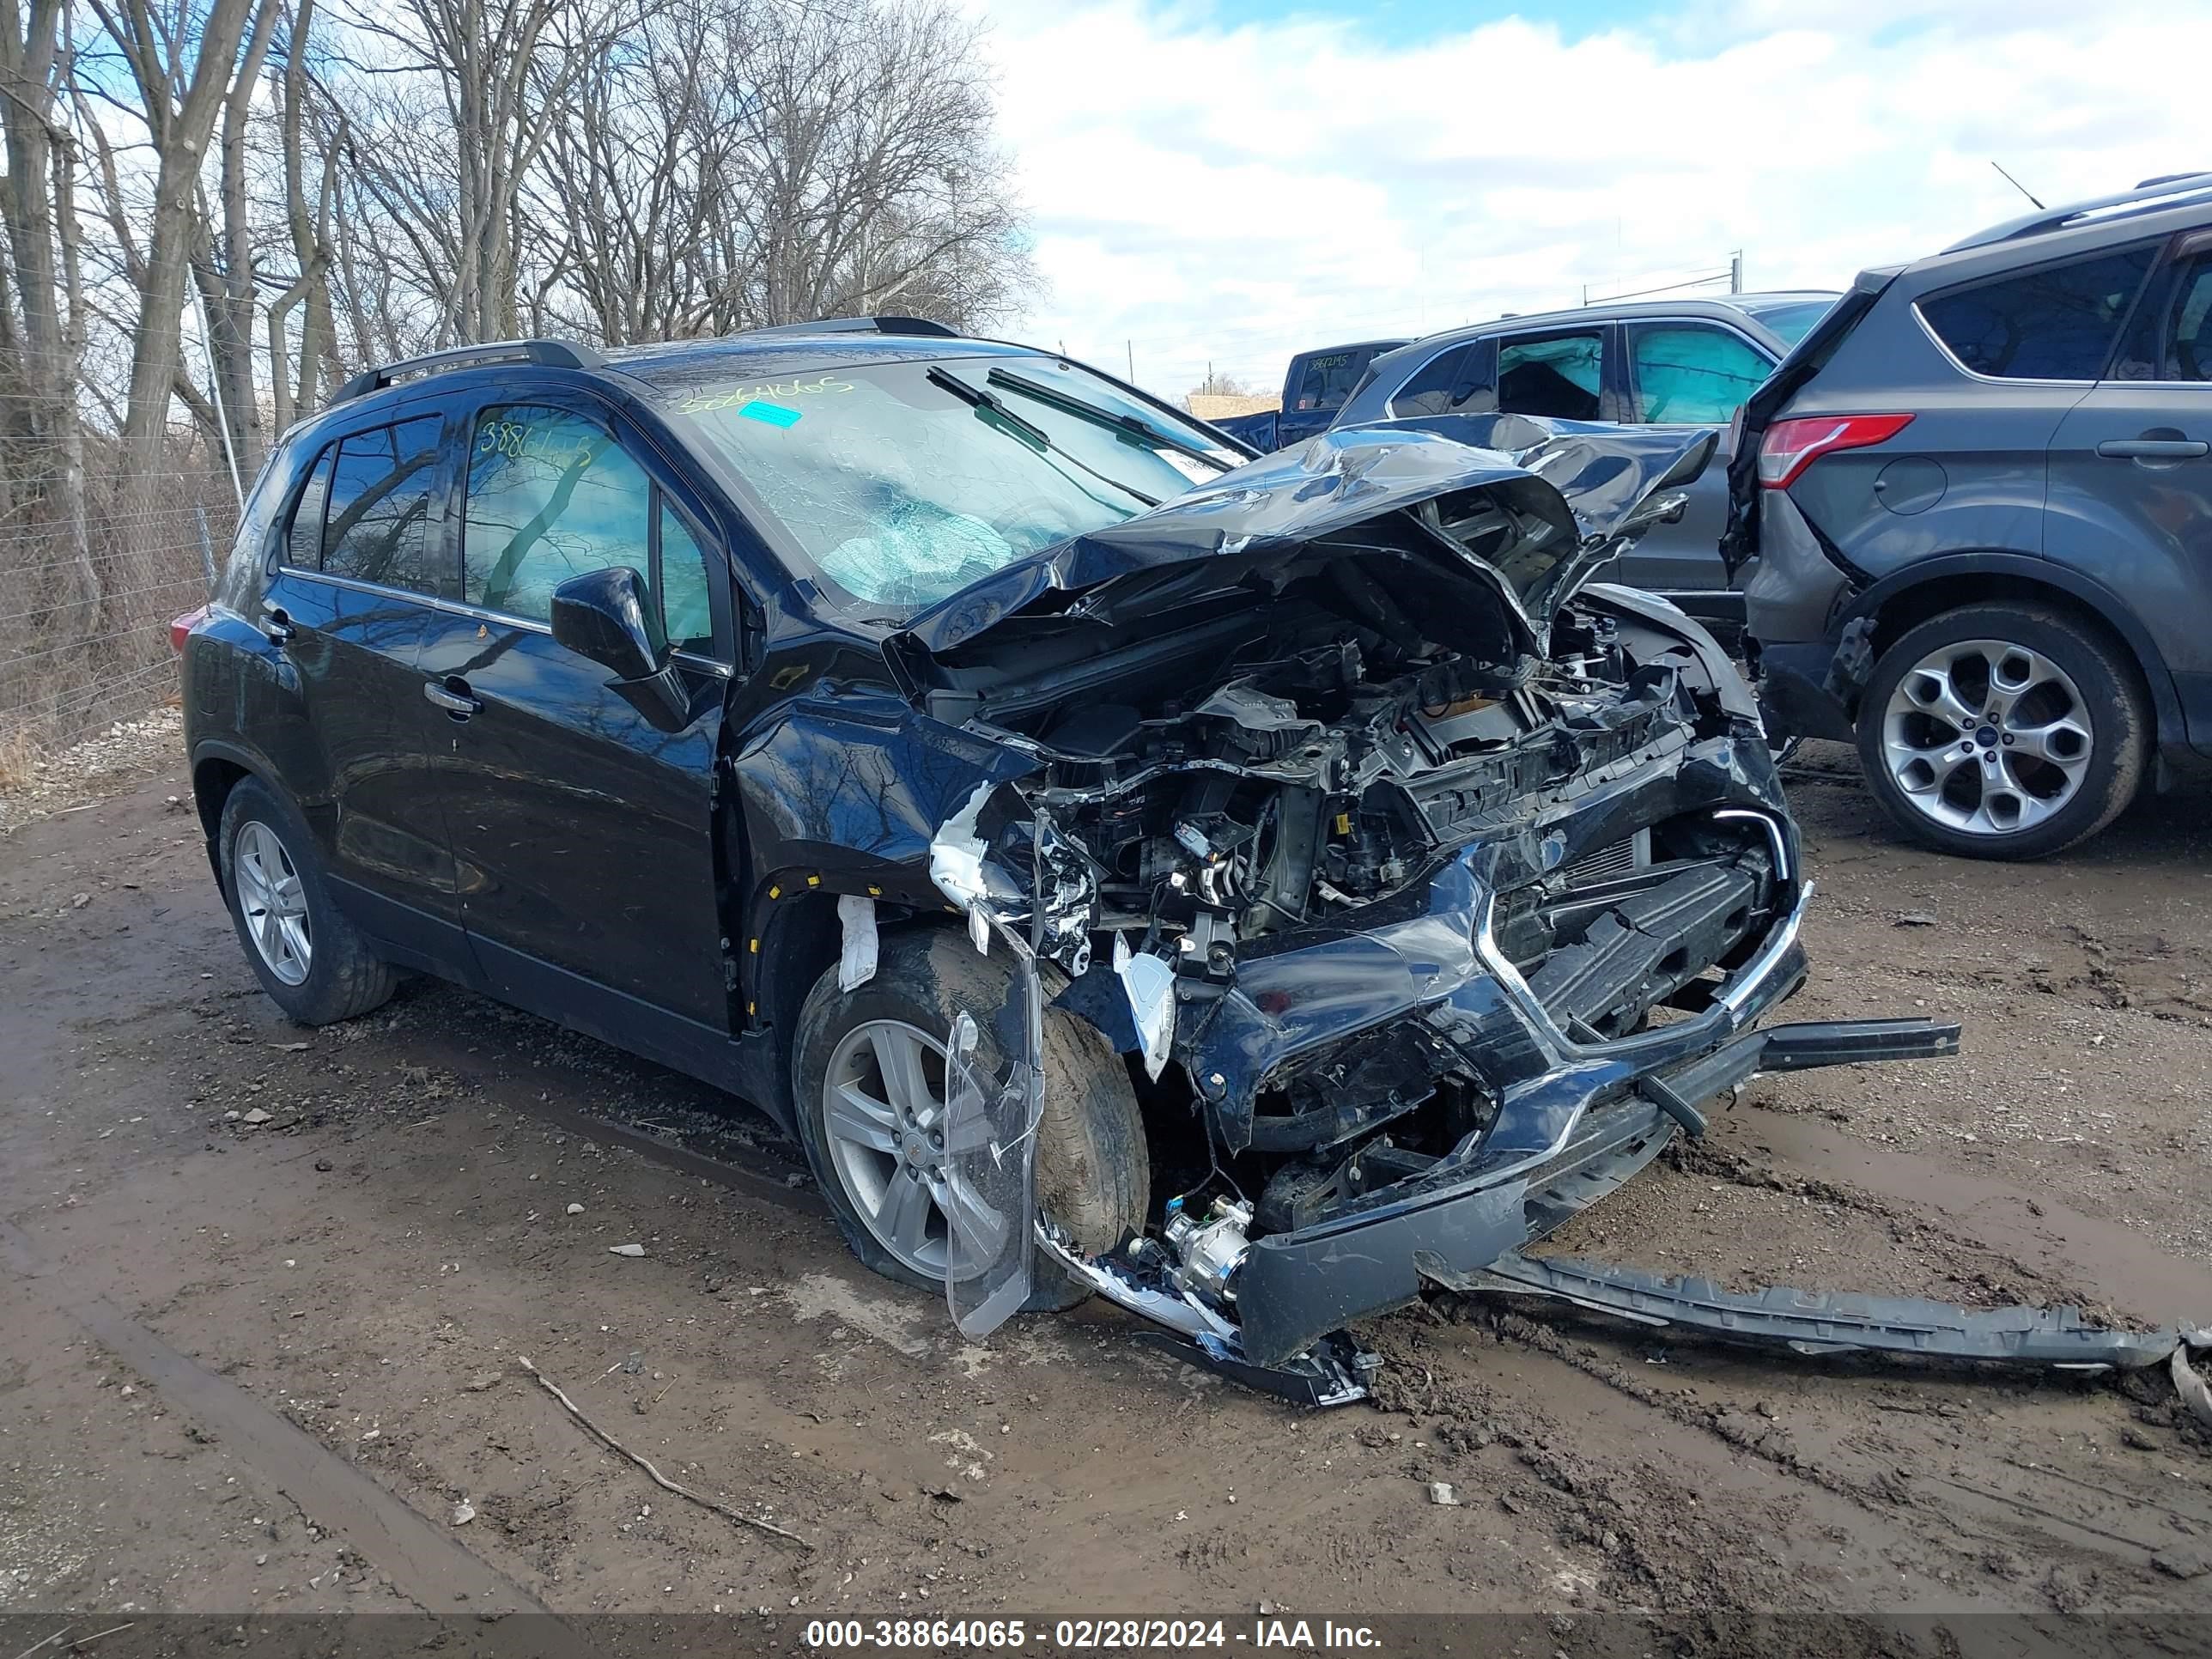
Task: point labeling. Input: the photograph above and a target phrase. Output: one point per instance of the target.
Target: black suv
(1980, 494)
(1124, 866)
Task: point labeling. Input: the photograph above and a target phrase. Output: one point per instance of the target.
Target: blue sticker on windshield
(773, 414)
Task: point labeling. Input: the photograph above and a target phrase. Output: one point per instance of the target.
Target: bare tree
(43, 342)
(348, 182)
(307, 230)
(751, 162)
(184, 65)
(500, 72)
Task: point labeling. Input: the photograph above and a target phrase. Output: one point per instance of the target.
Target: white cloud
(1231, 195)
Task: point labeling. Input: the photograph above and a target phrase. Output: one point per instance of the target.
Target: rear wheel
(2003, 731)
(869, 1080)
(307, 956)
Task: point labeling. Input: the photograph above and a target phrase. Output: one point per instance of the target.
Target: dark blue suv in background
(1979, 497)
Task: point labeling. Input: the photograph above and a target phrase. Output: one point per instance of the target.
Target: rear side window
(1686, 374)
(377, 513)
(1447, 384)
(303, 542)
(2188, 354)
(1559, 376)
(2056, 323)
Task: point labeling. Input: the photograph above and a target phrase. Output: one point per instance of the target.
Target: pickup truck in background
(1313, 391)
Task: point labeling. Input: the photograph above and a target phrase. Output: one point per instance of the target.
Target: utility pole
(1131, 345)
(1735, 271)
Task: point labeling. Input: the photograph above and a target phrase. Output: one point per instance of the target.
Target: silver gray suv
(1975, 504)
(1684, 362)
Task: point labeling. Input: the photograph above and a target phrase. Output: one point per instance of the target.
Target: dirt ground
(277, 1364)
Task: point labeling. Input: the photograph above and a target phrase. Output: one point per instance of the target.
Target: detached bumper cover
(1822, 1321)
(1597, 1129)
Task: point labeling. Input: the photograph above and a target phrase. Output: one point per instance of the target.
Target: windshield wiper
(1025, 431)
(1128, 425)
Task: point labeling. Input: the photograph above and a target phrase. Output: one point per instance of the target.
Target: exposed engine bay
(1429, 884)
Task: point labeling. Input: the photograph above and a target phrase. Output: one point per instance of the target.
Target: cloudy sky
(1229, 180)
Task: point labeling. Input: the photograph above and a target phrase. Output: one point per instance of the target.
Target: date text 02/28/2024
(1087, 1635)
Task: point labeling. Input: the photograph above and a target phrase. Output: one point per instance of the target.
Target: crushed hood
(1485, 523)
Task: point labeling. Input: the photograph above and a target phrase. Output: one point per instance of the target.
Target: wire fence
(85, 598)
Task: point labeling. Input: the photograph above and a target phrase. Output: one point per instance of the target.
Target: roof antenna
(2019, 186)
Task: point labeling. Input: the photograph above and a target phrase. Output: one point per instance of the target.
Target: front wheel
(869, 1081)
(2003, 731)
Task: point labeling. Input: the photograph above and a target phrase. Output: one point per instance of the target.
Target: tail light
(1790, 446)
(180, 627)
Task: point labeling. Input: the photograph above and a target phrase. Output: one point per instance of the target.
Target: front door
(582, 835)
(2130, 495)
(1689, 374)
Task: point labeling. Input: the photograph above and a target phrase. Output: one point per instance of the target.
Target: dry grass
(70, 667)
(17, 758)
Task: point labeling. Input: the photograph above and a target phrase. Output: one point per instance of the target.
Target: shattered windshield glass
(900, 489)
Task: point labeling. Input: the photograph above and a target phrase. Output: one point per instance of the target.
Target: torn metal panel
(1150, 984)
(856, 957)
(1816, 1322)
(994, 1099)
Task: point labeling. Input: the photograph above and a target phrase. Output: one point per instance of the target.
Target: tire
(341, 977)
(2051, 744)
(1093, 1168)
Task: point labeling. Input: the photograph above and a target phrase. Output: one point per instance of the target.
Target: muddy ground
(273, 1364)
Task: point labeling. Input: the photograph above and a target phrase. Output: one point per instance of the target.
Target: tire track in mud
(420, 1561)
(2078, 1529)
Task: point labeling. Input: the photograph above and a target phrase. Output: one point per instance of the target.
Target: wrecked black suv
(1246, 888)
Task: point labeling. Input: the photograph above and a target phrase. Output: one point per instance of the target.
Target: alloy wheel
(273, 903)
(883, 1117)
(1987, 738)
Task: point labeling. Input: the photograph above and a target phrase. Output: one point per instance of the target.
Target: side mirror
(608, 617)
(604, 615)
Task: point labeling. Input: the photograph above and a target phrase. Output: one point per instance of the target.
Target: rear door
(348, 603)
(582, 834)
(1690, 373)
(2131, 475)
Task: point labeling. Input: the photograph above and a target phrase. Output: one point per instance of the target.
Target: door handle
(452, 695)
(276, 624)
(2154, 449)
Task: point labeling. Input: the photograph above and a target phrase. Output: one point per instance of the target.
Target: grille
(1621, 859)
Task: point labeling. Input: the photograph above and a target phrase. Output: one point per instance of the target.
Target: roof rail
(921, 326)
(2153, 195)
(551, 354)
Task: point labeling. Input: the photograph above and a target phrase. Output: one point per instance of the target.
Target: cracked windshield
(901, 483)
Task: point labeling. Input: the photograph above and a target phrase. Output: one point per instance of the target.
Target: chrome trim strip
(1728, 1007)
(1726, 1011)
(1754, 972)
(476, 612)
(1774, 837)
